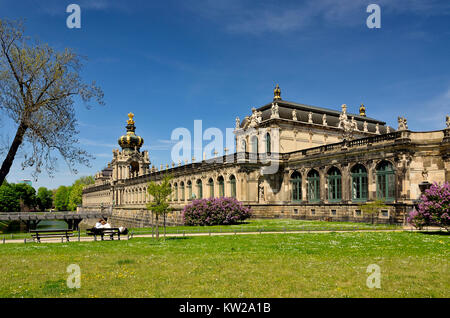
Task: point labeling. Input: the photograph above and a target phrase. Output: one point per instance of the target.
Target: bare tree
(37, 89)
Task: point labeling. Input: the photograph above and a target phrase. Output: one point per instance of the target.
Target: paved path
(124, 238)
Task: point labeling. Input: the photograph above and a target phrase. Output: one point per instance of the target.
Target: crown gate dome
(130, 141)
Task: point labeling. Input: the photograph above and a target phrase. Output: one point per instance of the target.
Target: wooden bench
(102, 232)
(38, 234)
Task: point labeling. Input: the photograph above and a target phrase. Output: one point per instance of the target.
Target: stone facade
(292, 161)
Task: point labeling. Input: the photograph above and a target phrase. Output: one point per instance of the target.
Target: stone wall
(395, 213)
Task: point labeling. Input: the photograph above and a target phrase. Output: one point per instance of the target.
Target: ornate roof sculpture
(277, 93)
(362, 110)
(130, 141)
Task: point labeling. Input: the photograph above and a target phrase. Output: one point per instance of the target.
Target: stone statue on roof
(324, 120)
(310, 120)
(275, 113)
(238, 123)
(253, 118)
(447, 121)
(402, 123)
(343, 117)
(294, 115)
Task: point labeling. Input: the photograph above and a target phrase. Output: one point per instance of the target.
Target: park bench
(38, 234)
(102, 232)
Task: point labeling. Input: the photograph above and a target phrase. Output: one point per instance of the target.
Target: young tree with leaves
(37, 89)
(373, 208)
(159, 204)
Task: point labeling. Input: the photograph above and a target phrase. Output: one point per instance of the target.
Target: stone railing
(346, 144)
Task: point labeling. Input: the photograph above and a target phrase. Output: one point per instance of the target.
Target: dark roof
(107, 172)
(285, 111)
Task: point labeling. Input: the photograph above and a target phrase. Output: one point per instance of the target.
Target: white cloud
(243, 16)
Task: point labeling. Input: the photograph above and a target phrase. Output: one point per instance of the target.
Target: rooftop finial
(130, 120)
(362, 110)
(277, 93)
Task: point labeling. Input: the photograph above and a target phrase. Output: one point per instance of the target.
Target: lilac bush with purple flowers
(434, 208)
(215, 211)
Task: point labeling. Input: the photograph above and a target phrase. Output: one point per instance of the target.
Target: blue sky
(172, 62)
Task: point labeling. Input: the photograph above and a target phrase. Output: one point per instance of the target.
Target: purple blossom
(215, 211)
(434, 208)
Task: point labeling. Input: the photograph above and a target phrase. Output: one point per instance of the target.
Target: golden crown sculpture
(130, 120)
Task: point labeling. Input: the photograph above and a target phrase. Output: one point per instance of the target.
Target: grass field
(267, 265)
(252, 225)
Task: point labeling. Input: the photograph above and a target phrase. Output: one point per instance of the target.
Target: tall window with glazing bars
(233, 186)
(313, 186)
(296, 185)
(359, 183)
(182, 190)
(211, 187)
(334, 185)
(221, 182)
(385, 181)
(175, 190)
(199, 189)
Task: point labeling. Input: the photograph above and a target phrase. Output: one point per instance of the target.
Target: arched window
(385, 181)
(175, 190)
(221, 182)
(182, 190)
(211, 187)
(359, 183)
(199, 189)
(243, 145)
(189, 188)
(296, 182)
(313, 186)
(334, 185)
(268, 144)
(254, 144)
(233, 186)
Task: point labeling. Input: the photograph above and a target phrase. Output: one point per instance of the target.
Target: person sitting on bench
(98, 224)
(105, 225)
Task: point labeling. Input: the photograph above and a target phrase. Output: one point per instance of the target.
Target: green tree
(159, 193)
(26, 194)
(44, 198)
(373, 208)
(9, 200)
(76, 192)
(38, 86)
(75, 196)
(85, 180)
(62, 198)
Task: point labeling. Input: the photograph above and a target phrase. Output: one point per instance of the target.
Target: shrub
(215, 211)
(434, 208)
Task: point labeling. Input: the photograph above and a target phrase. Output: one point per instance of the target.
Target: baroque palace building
(292, 160)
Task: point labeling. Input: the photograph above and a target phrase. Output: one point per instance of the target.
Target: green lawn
(252, 225)
(270, 225)
(267, 265)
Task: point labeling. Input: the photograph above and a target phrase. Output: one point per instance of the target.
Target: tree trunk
(7, 163)
(157, 227)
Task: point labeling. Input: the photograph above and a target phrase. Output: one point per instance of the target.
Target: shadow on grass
(442, 233)
(125, 261)
(177, 238)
